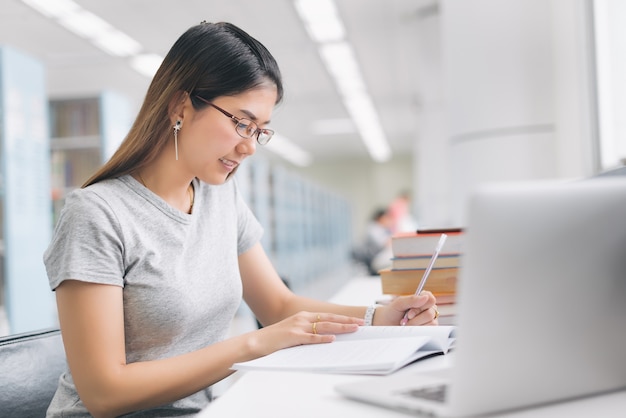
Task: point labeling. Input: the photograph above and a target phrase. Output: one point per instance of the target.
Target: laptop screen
(542, 294)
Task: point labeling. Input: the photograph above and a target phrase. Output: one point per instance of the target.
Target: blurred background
(433, 97)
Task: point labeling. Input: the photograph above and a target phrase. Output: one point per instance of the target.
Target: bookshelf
(85, 133)
(25, 227)
(307, 228)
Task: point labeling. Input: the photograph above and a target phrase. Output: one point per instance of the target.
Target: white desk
(303, 395)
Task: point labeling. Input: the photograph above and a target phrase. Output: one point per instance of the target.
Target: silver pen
(442, 240)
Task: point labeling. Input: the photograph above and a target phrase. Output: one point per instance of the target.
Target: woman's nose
(247, 146)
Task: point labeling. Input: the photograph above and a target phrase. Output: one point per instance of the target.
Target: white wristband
(369, 315)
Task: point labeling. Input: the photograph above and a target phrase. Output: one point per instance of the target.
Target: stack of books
(411, 255)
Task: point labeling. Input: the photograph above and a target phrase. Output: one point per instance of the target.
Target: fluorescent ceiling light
(286, 149)
(146, 64)
(53, 8)
(365, 116)
(320, 19)
(324, 26)
(84, 23)
(87, 25)
(117, 43)
(341, 63)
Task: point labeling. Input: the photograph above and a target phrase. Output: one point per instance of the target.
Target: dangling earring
(179, 124)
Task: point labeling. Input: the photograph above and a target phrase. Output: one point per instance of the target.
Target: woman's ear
(176, 108)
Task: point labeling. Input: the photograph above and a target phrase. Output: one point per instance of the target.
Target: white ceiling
(383, 34)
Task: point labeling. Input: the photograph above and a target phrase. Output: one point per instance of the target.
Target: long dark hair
(208, 60)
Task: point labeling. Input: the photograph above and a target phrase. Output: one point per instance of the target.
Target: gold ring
(318, 317)
(315, 328)
(436, 312)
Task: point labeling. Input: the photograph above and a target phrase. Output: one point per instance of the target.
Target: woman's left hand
(422, 310)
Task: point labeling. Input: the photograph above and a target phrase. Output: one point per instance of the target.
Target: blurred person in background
(400, 211)
(375, 250)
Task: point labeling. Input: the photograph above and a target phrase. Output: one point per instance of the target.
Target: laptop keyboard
(432, 393)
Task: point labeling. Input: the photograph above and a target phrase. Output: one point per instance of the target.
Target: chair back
(30, 366)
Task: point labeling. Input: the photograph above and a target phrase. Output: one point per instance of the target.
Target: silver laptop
(542, 304)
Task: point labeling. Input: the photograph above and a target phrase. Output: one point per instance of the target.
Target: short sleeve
(87, 243)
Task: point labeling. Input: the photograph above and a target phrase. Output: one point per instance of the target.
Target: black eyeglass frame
(267, 133)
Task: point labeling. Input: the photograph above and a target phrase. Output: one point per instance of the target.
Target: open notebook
(542, 304)
(370, 350)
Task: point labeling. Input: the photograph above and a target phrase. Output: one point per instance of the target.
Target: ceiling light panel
(321, 20)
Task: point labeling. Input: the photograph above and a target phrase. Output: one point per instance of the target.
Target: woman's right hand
(302, 328)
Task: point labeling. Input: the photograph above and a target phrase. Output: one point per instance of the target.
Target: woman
(150, 259)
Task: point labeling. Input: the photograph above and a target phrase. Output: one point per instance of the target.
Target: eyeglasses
(245, 127)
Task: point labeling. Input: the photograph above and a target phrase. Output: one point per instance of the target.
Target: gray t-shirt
(179, 272)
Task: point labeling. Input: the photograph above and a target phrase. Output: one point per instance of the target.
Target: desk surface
(302, 395)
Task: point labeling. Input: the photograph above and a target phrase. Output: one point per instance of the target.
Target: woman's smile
(229, 164)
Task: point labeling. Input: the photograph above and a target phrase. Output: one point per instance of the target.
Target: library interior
(426, 99)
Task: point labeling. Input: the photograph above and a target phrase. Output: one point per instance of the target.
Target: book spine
(407, 285)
